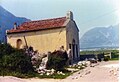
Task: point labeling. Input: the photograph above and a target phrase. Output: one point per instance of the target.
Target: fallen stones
(60, 73)
(76, 77)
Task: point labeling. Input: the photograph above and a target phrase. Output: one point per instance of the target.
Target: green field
(114, 53)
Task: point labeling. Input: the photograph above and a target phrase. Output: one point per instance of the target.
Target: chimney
(69, 15)
(15, 26)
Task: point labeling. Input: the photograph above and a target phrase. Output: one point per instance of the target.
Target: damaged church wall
(43, 41)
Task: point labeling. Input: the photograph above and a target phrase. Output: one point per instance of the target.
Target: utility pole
(25, 41)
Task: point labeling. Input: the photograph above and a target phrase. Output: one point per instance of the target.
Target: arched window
(19, 43)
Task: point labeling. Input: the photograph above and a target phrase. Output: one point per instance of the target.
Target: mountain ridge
(7, 21)
(101, 37)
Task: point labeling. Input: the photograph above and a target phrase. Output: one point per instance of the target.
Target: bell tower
(69, 15)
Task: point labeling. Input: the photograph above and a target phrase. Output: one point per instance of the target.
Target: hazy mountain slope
(101, 37)
(7, 21)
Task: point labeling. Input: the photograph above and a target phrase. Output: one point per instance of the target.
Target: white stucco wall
(72, 32)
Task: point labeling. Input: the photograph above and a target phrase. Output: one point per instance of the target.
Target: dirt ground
(101, 72)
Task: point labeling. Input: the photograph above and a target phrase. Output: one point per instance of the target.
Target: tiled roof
(39, 25)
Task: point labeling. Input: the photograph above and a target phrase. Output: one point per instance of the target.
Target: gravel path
(101, 72)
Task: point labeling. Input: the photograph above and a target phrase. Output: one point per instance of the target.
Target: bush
(14, 60)
(106, 58)
(6, 49)
(57, 60)
(115, 55)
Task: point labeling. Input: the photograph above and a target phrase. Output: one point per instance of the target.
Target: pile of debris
(39, 61)
(80, 65)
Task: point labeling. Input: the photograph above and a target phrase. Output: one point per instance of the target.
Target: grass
(18, 74)
(98, 52)
(33, 74)
(114, 53)
(114, 59)
(55, 76)
(77, 67)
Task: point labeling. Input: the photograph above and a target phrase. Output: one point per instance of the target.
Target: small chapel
(47, 35)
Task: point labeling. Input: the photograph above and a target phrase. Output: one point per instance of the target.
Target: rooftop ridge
(45, 19)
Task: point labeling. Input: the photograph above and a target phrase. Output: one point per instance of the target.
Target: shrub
(14, 60)
(6, 49)
(57, 60)
(115, 54)
(106, 58)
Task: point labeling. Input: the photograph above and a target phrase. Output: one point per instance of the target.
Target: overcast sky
(87, 13)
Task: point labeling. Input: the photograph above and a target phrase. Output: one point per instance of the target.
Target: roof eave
(33, 30)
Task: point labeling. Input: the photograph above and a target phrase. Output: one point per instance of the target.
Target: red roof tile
(39, 25)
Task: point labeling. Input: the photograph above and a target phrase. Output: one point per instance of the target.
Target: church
(47, 35)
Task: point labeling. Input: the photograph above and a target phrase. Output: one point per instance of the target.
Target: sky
(87, 14)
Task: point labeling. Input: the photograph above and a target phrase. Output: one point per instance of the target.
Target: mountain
(7, 21)
(101, 37)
